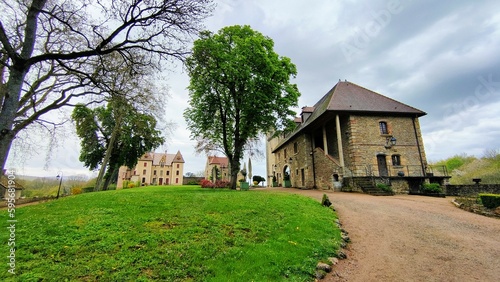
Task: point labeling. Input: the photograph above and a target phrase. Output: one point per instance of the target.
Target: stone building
(217, 168)
(154, 169)
(352, 139)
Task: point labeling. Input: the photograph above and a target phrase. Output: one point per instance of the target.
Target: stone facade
(154, 169)
(351, 132)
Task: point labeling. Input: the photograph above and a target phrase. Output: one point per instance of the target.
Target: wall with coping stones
(472, 189)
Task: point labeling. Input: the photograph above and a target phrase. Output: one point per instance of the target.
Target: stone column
(339, 141)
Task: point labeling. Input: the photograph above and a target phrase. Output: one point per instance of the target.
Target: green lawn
(171, 234)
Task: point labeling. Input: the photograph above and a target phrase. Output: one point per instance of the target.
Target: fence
(394, 171)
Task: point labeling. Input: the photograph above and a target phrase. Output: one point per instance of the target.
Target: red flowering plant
(205, 183)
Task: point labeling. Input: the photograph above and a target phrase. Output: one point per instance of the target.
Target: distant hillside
(463, 168)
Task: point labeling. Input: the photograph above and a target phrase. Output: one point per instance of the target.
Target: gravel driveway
(412, 238)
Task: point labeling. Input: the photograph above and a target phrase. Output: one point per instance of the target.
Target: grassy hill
(171, 234)
(464, 168)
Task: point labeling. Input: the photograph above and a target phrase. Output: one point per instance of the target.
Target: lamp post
(60, 177)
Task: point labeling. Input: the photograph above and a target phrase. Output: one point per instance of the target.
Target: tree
(239, 88)
(49, 50)
(113, 136)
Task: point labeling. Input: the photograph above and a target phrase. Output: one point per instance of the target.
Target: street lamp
(60, 177)
(390, 141)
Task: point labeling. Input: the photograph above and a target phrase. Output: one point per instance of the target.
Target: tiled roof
(218, 160)
(158, 157)
(347, 97)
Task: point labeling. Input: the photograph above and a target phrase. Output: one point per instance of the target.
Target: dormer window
(383, 127)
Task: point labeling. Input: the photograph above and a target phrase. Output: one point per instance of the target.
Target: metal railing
(394, 171)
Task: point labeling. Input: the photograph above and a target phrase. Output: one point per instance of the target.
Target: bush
(87, 189)
(222, 184)
(76, 191)
(112, 187)
(384, 187)
(130, 185)
(258, 179)
(432, 188)
(205, 183)
(325, 201)
(490, 201)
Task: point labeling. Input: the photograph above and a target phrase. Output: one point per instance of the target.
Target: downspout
(313, 167)
(418, 147)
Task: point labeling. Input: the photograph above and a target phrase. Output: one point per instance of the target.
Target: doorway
(382, 165)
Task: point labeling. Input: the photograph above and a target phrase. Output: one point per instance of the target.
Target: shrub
(222, 184)
(325, 201)
(112, 187)
(205, 183)
(131, 185)
(88, 189)
(384, 187)
(432, 188)
(258, 179)
(76, 191)
(490, 201)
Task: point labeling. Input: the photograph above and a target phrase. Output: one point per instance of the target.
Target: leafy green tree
(49, 49)
(239, 88)
(117, 132)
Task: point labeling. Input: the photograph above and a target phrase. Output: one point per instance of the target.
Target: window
(383, 127)
(154, 172)
(295, 147)
(177, 180)
(168, 172)
(145, 164)
(144, 172)
(177, 165)
(396, 160)
(177, 173)
(161, 172)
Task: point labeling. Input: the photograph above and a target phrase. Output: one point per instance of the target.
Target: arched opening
(287, 181)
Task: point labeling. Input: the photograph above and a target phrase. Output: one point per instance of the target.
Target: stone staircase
(368, 186)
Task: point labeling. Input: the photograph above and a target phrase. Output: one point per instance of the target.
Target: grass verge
(172, 234)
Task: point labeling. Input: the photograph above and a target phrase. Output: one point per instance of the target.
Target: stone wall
(187, 180)
(472, 189)
(326, 168)
(296, 157)
(366, 142)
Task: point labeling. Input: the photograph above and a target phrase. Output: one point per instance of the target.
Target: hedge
(490, 201)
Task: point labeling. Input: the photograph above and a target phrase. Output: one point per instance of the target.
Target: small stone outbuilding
(352, 139)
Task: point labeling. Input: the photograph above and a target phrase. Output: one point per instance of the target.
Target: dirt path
(412, 238)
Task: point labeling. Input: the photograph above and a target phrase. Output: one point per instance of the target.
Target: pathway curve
(412, 238)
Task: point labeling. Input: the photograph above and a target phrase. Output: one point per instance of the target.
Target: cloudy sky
(442, 57)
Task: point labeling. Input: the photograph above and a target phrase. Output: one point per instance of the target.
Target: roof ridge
(380, 95)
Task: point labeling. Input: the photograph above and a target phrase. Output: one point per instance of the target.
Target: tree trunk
(109, 151)
(108, 177)
(235, 168)
(17, 73)
(9, 107)
(235, 163)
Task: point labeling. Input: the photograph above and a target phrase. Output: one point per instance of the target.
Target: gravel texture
(412, 238)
